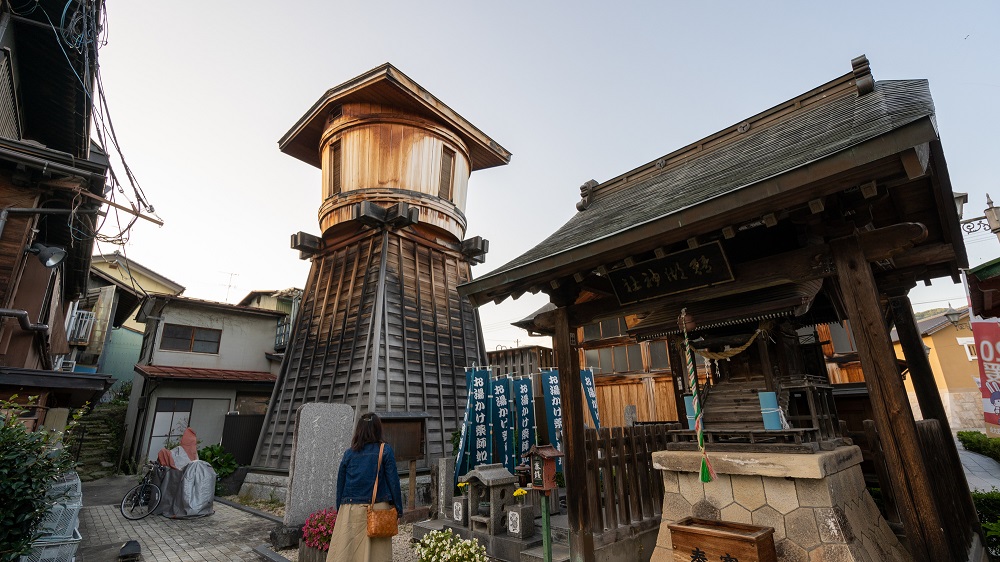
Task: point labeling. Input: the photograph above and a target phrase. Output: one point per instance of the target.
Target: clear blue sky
(200, 92)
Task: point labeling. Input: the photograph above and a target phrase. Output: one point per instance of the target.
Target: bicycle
(142, 499)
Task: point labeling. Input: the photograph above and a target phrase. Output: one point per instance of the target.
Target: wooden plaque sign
(675, 273)
(702, 540)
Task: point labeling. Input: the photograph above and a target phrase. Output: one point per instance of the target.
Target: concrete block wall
(817, 504)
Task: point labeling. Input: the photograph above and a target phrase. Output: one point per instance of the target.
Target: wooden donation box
(542, 460)
(703, 540)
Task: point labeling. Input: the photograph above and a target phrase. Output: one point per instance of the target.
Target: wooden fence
(652, 396)
(625, 491)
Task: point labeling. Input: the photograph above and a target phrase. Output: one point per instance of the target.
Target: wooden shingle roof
(736, 175)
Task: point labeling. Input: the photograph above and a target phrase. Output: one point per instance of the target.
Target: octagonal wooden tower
(381, 326)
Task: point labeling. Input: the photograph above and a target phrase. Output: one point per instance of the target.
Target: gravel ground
(402, 550)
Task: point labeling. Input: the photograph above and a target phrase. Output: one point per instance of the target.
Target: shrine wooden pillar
(928, 395)
(581, 534)
(893, 417)
(678, 372)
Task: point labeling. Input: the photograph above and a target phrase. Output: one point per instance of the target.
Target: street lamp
(989, 221)
(954, 316)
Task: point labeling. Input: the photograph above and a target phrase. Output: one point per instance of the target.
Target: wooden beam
(929, 398)
(891, 408)
(581, 535)
(915, 160)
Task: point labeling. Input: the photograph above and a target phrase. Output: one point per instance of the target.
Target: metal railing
(80, 327)
(282, 333)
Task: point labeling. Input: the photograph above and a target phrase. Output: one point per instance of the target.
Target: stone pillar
(817, 503)
(445, 486)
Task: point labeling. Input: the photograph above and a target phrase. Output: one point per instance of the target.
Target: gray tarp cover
(187, 493)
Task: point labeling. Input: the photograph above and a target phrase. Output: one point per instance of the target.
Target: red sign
(987, 336)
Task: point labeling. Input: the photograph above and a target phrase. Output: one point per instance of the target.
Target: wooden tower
(381, 326)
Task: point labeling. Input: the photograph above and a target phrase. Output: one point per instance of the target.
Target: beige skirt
(350, 542)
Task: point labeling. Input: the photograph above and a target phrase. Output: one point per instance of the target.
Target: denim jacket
(356, 477)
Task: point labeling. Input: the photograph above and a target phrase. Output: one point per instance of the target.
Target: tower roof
(385, 84)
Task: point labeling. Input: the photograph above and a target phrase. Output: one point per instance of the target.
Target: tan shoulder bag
(381, 522)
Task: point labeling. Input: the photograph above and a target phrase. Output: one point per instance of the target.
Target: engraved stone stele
(322, 434)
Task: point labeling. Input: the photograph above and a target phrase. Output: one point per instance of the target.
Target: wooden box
(721, 541)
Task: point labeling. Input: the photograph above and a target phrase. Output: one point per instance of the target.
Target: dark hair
(368, 430)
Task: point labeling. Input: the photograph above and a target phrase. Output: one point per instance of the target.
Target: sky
(200, 92)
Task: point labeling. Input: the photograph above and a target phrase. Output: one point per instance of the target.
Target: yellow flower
(520, 492)
(462, 484)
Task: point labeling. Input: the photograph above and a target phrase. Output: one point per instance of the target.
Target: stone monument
(322, 433)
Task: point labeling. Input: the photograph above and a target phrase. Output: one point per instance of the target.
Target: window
(447, 164)
(335, 168)
(604, 329)
(658, 357)
(172, 417)
(614, 359)
(190, 338)
(970, 347)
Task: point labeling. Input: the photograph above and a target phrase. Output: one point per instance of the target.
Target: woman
(355, 481)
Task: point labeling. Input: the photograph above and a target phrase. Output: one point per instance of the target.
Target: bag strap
(378, 469)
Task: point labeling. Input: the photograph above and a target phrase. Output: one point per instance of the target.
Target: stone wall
(964, 410)
(817, 504)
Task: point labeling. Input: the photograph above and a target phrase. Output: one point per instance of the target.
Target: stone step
(560, 553)
(558, 526)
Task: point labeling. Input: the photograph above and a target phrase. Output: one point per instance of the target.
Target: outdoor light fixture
(989, 221)
(954, 316)
(50, 256)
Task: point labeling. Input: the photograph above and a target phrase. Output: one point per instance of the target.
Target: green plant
(988, 507)
(29, 463)
(977, 442)
(456, 440)
(223, 462)
(319, 527)
(444, 545)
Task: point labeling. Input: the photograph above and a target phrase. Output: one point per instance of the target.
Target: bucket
(769, 410)
(689, 409)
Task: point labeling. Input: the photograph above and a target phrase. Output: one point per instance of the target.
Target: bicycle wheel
(140, 501)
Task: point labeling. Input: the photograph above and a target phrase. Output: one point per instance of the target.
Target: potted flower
(316, 533)
(520, 516)
(445, 545)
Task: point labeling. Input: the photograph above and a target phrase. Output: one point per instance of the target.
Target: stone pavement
(228, 535)
(982, 472)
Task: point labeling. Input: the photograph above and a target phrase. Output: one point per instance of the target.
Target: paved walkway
(228, 535)
(982, 472)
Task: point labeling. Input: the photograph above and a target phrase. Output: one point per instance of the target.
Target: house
(52, 182)
(103, 334)
(200, 360)
(286, 301)
(951, 351)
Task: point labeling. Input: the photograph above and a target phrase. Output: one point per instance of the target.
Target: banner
(987, 335)
(523, 407)
(462, 456)
(590, 395)
(481, 443)
(503, 425)
(553, 410)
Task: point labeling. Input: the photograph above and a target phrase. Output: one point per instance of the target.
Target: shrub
(223, 462)
(977, 442)
(444, 545)
(988, 507)
(29, 463)
(318, 528)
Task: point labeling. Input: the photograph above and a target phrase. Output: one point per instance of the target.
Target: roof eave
(498, 286)
(301, 143)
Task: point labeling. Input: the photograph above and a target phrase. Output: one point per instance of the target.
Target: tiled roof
(199, 374)
(804, 137)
